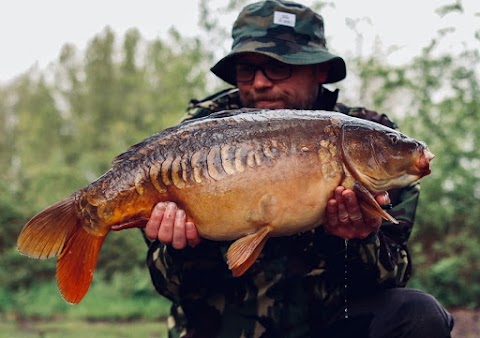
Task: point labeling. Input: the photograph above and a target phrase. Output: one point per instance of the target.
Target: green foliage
(81, 329)
(18, 272)
(454, 273)
(126, 251)
(126, 296)
(436, 98)
(450, 215)
(11, 217)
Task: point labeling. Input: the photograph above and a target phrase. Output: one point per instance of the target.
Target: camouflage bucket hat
(286, 31)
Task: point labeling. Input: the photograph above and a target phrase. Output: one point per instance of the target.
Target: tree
(58, 136)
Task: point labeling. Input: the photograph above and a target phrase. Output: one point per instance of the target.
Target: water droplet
(346, 279)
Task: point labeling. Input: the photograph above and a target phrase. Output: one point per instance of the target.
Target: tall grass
(124, 297)
(81, 329)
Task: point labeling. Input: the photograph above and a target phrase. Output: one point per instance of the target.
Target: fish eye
(393, 138)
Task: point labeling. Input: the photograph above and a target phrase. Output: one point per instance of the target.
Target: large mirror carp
(240, 176)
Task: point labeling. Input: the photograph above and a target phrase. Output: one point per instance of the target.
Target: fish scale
(241, 176)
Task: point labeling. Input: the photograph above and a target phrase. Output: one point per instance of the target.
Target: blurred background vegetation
(61, 127)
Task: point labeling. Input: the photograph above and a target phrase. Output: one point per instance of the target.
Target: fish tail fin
(244, 251)
(45, 235)
(59, 231)
(76, 264)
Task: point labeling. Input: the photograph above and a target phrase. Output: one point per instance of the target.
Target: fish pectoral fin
(244, 251)
(136, 223)
(369, 205)
(76, 264)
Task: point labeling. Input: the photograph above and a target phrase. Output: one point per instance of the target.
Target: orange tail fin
(244, 251)
(45, 235)
(76, 264)
(57, 231)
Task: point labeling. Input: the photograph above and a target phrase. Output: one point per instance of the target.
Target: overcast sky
(33, 31)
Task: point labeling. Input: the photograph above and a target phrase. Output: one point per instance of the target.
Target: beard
(284, 100)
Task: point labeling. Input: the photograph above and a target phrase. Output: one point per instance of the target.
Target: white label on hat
(285, 19)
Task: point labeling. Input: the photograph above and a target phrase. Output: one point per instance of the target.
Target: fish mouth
(423, 162)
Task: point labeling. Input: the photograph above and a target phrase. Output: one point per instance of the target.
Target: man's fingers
(153, 224)
(192, 235)
(342, 211)
(338, 193)
(165, 232)
(332, 212)
(179, 239)
(169, 225)
(353, 208)
(383, 198)
(344, 217)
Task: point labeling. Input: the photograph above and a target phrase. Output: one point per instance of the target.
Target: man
(314, 284)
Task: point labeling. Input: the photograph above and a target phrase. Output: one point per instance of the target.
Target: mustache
(263, 97)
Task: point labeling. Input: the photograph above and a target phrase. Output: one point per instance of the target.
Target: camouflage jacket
(298, 283)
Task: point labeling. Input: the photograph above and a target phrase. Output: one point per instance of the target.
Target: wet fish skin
(243, 176)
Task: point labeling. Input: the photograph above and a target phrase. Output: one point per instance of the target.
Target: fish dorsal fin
(369, 205)
(76, 264)
(244, 251)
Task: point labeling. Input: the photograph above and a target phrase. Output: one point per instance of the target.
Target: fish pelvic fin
(369, 205)
(76, 264)
(245, 250)
(136, 223)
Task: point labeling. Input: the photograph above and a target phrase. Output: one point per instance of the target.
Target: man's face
(297, 91)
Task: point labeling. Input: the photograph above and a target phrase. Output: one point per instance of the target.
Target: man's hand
(169, 225)
(345, 218)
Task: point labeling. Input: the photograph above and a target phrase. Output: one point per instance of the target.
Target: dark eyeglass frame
(270, 70)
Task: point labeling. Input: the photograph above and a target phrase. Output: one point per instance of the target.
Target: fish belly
(290, 197)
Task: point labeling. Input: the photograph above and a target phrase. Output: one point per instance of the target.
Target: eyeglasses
(274, 71)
